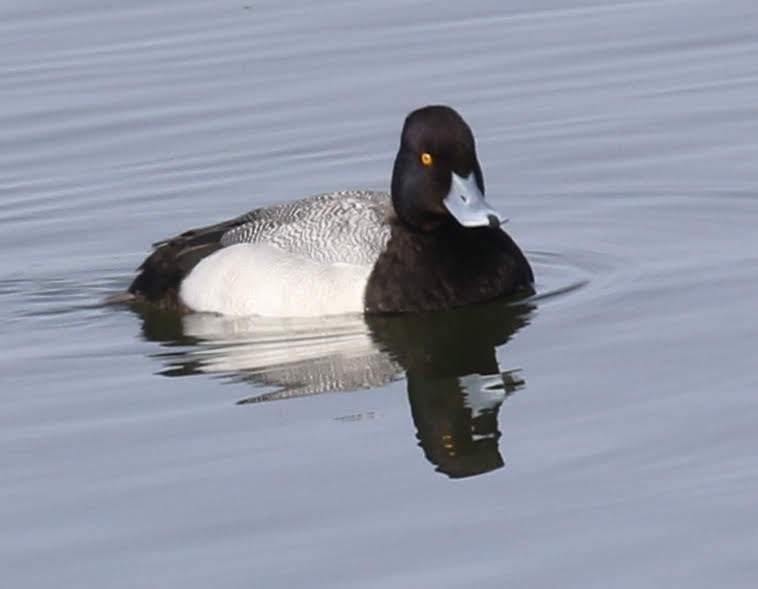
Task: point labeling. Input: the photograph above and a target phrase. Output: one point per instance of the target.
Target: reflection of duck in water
(297, 357)
(456, 420)
(455, 385)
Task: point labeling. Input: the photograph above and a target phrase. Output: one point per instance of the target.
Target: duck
(430, 244)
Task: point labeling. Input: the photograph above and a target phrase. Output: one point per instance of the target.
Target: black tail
(162, 272)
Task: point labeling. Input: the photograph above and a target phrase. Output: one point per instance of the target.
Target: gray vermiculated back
(348, 226)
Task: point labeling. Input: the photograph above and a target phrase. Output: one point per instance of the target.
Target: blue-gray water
(620, 138)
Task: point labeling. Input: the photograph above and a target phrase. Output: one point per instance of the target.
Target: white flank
(261, 279)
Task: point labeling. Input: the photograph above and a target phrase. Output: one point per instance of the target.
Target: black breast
(445, 268)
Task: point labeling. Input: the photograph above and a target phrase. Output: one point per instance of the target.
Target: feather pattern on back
(337, 227)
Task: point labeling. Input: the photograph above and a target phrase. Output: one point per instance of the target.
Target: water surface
(600, 434)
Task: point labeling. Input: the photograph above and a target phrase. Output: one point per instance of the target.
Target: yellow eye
(426, 159)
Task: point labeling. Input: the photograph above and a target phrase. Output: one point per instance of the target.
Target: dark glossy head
(437, 178)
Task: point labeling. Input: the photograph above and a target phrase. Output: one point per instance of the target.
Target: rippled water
(602, 433)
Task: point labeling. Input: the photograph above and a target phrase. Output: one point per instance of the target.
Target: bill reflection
(457, 421)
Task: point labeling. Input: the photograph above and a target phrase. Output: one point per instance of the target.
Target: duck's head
(437, 178)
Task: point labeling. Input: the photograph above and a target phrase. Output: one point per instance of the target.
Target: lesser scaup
(432, 244)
